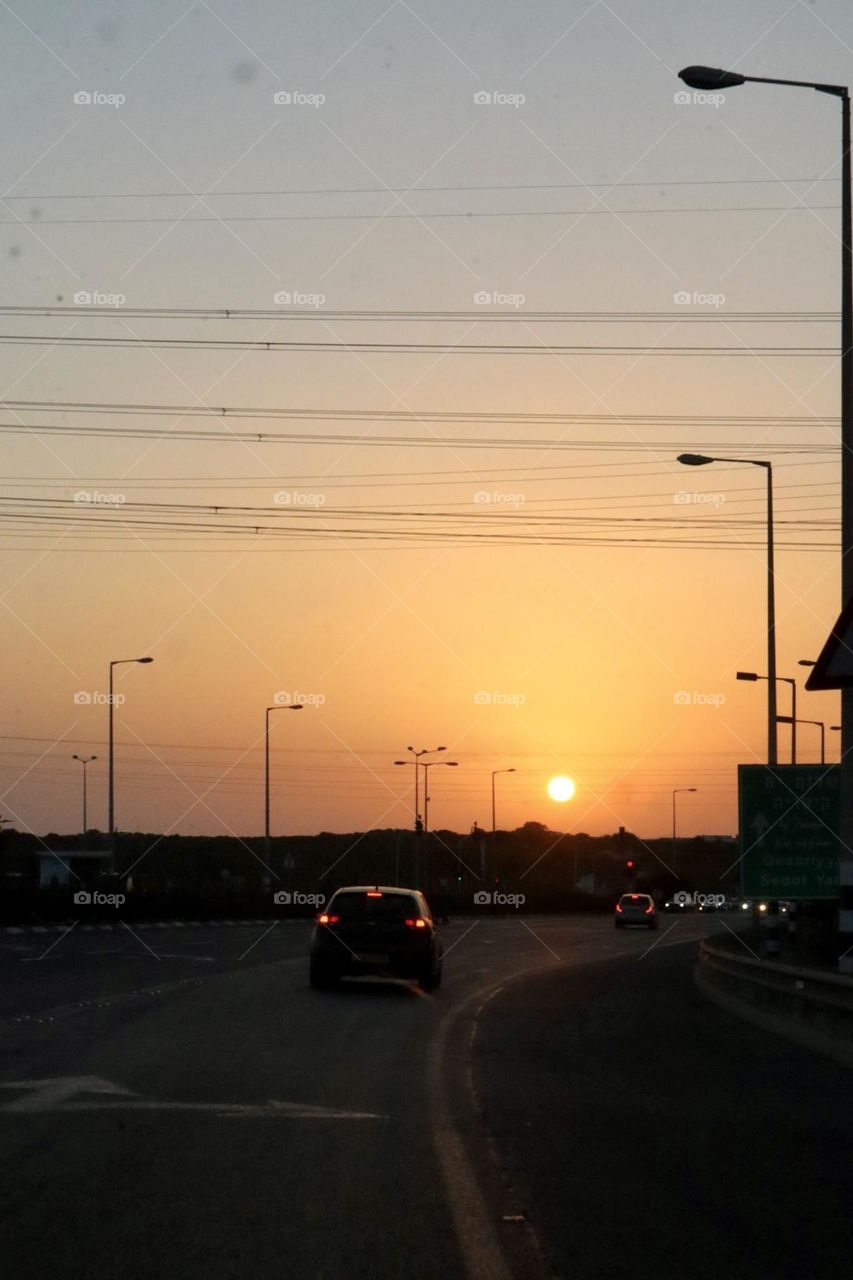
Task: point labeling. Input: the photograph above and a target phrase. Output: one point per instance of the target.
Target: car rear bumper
(356, 957)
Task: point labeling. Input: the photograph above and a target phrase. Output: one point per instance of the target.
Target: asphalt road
(180, 1103)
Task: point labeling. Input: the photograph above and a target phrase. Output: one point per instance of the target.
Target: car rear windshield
(635, 900)
(361, 906)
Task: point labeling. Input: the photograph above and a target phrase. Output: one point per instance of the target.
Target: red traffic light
(629, 864)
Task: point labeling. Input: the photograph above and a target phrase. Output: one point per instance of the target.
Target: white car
(635, 908)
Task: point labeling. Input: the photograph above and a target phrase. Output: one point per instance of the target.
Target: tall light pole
(117, 662)
(792, 720)
(280, 706)
(495, 773)
(712, 78)
(820, 724)
(449, 764)
(84, 760)
(676, 791)
(700, 460)
(427, 751)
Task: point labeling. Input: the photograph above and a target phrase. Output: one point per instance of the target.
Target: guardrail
(808, 1005)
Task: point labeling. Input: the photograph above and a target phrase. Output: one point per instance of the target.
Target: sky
(517, 269)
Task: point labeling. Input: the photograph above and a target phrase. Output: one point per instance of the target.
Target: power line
(549, 444)
(762, 420)
(339, 346)
(467, 215)
(486, 314)
(485, 186)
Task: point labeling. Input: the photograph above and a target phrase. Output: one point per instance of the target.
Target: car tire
(321, 977)
(653, 924)
(430, 979)
(618, 924)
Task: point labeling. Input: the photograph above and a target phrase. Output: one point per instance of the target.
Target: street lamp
(700, 460)
(676, 791)
(427, 751)
(117, 662)
(793, 721)
(495, 773)
(84, 760)
(820, 724)
(279, 706)
(709, 77)
(450, 764)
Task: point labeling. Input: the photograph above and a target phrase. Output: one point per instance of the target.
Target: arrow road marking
(63, 1094)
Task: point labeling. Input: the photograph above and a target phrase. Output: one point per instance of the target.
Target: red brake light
(325, 918)
(650, 908)
(372, 893)
(619, 907)
(417, 923)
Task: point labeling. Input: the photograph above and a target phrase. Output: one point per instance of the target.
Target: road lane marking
(63, 1093)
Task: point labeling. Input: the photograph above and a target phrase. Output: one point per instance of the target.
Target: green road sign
(789, 830)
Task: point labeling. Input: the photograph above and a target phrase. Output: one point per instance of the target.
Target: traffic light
(630, 867)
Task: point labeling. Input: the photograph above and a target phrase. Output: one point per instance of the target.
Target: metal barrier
(802, 992)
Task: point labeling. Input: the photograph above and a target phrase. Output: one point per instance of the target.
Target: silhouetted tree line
(222, 876)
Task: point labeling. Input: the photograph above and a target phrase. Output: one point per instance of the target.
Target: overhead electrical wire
(341, 347)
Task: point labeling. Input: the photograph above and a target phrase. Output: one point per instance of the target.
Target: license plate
(372, 957)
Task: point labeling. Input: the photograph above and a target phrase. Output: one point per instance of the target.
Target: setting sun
(561, 788)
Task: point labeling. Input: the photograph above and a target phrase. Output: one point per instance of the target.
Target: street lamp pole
(711, 78)
(84, 760)
(820, 725)
(280, 706)
(495, 773)
(117, 662)
(450, 764)
(427, 751)
(701, 460)
(676, 791)
(792, 719)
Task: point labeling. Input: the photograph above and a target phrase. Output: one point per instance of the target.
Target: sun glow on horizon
(561, 788)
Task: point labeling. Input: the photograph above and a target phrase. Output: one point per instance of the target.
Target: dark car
(373, 929)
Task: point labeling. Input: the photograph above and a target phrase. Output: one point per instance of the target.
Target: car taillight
(619, 907)
(325, 918)
(417, 923)
(649, 909)
(373, 893)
